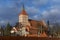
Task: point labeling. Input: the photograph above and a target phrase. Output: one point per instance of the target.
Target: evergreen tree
(1, 31)
(48, 22)
(7, 30)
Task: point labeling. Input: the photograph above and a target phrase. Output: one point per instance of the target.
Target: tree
(1, 31)
(48, 22)
(7, 30)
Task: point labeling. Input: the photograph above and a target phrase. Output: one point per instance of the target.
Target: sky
(36, 9)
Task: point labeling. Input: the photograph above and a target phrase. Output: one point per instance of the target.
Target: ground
(25, 38)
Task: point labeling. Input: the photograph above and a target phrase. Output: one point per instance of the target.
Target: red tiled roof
(23, 12)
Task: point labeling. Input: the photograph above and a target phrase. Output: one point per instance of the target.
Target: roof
(23, 12)
(35, 23)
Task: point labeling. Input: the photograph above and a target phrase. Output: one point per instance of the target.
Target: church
(29, 27)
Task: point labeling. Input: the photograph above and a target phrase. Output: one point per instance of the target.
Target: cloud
(8, 11)
(8, 15)
(34, 13)
(35, 17)
(4, 22)
(10, 3)
(56, 1)
(32, 10)
(40, 2)
(49, 9)
(12, 21)
(52, 14)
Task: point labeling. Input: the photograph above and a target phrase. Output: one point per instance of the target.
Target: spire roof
(23, 12)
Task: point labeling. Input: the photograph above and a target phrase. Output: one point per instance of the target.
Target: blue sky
(36, 9)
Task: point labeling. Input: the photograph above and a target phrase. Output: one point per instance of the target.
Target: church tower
(23, 17)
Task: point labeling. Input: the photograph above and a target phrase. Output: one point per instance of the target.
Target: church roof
(23, 12)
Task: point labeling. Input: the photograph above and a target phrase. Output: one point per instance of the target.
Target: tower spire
(23, 7)
(23, 12)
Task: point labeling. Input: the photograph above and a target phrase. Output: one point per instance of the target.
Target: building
(29, 27)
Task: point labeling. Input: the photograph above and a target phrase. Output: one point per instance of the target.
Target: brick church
(29, 27)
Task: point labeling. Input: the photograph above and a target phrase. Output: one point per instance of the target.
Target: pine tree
(48, 22)
(7, 30)
(1, 31)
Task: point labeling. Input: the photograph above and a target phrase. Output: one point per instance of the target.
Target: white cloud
(32, 10)
(56, 1)
(35, 16)
(45, 14)
(45, 2)
(40, 2)
(2, 21)
(53, 13)
(11, 21)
